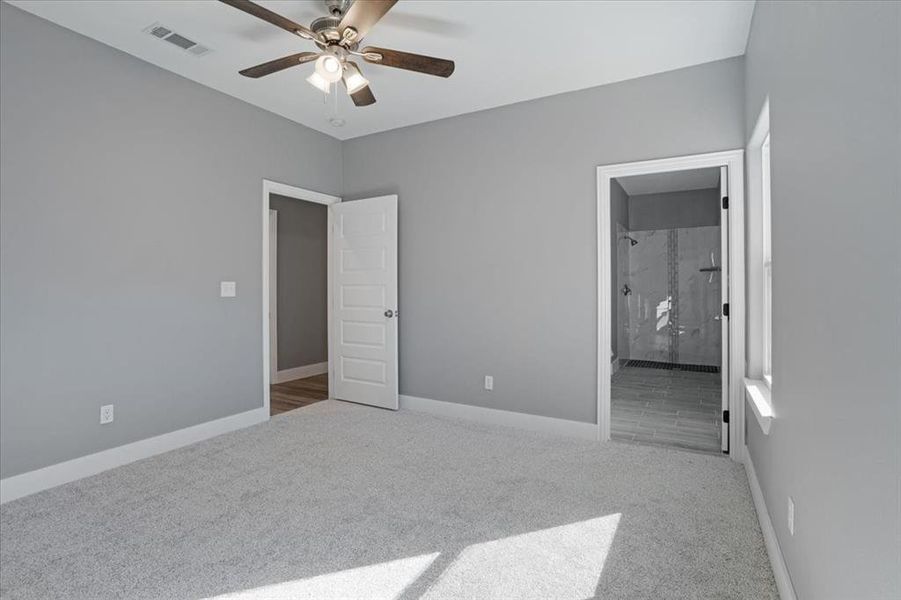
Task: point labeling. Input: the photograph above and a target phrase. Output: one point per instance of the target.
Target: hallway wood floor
(295, 394)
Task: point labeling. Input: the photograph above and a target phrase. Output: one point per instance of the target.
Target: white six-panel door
(363, 348)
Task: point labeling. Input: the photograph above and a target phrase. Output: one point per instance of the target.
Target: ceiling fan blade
(411, 62)
(363, 97)
(362, 15)
(279, 64)
(272, 17)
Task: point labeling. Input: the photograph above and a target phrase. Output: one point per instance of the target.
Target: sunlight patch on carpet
(382, 581)
(562, 562)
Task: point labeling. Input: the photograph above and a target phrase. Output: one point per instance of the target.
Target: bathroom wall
(691, 208)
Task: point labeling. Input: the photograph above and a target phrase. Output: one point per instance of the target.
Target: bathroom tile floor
(670, 408)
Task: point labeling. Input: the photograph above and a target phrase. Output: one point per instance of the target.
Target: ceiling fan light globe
(353, 79)
(318, 82)
(329, 68)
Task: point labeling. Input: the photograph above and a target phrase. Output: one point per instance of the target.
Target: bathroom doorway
(667, 300)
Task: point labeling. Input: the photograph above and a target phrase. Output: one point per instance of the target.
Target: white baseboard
(301, 372)
(493, 416)
(780, 570)
(28, 483)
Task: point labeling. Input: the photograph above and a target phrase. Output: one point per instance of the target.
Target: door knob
(389, 313)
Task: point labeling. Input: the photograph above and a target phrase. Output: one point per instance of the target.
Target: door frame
(273, 287)
(733, 160)
(290, 191)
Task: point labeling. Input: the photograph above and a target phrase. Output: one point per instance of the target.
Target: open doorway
(667, 344)
(296, 293)
(298, 302)
(666, 386)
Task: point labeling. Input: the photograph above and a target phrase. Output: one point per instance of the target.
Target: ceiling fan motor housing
(327, 27)
(337, 8)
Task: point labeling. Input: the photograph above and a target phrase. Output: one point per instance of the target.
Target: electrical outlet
(106, 414)
(489, 382)
(228, 289)
(791, 516)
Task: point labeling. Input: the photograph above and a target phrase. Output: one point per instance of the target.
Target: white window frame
(759, 378)
(766, 227)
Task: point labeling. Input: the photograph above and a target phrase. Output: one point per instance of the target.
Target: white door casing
(273, 288)
(724, 292)
(363, 257)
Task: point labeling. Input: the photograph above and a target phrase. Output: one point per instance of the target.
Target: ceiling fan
(338, 37)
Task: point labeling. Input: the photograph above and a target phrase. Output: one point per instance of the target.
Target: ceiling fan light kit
(338, 36)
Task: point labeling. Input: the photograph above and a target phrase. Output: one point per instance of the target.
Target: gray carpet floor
(342, 501)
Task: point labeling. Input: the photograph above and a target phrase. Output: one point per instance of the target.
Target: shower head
(631, 239)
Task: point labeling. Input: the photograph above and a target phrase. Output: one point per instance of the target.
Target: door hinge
(726, 309)
(725, 416)
(725, 202)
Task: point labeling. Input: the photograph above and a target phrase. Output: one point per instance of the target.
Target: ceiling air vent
(166, 34)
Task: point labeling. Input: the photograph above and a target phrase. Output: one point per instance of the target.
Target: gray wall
(126, 194)
(302, 292)
(675, 210)
(498, 241)
(619, 213)
(832, 72)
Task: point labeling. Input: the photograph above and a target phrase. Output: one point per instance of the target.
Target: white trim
(614, 366)
(777, 561)
(31, 482)
(758, 394)
(273, 187)
(493, 416)
(734, 161)
(301, 372)
(273, 294)
(757, 259)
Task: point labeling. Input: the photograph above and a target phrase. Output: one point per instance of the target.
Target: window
(767, 255)
(759, 380)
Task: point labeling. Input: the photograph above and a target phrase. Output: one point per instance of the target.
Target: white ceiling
(505, 51)
(672, 181)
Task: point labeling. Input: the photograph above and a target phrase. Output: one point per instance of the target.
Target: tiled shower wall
(673, 311)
